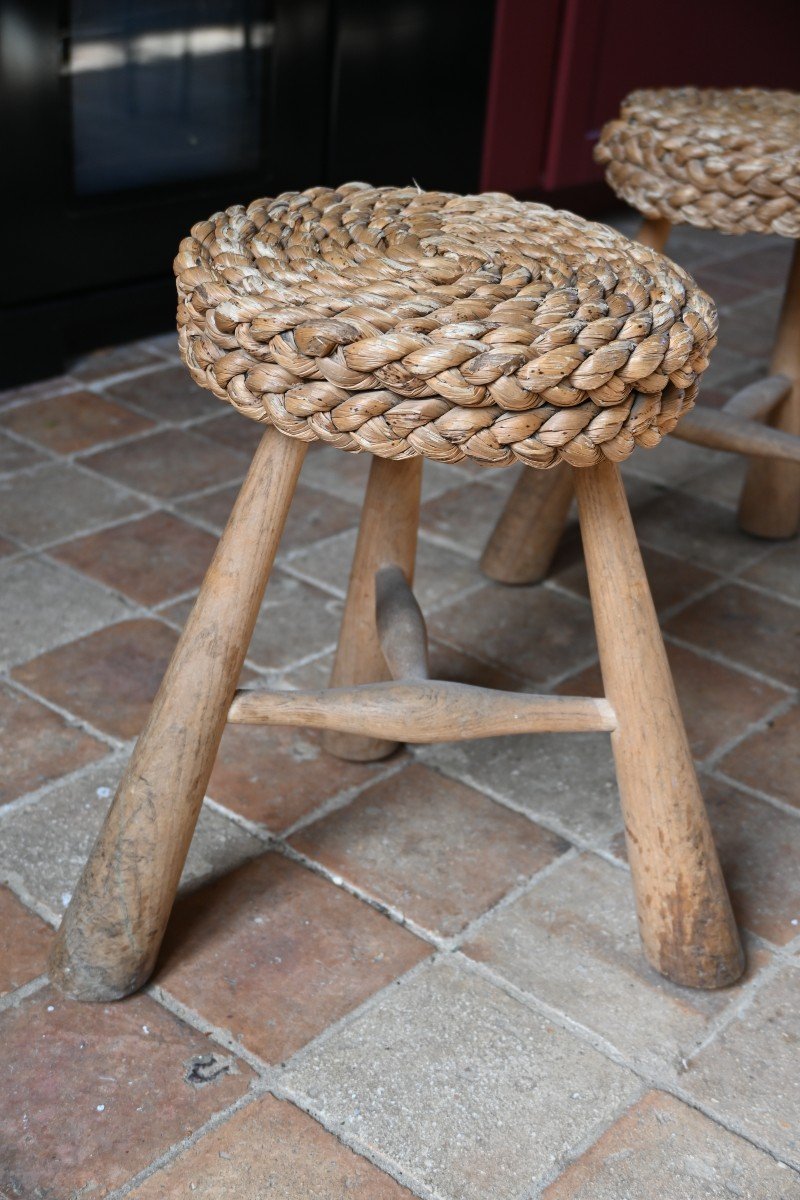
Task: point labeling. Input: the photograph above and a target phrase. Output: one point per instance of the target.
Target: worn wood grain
(402, 632)
(525, 539)
(723, 430)
(685, 917)
(423, 711)
(112, 930)
(654, 232)
(387, 537)
(758, 399)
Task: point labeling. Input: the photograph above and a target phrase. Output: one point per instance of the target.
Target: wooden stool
(725, 160)
(415, 325)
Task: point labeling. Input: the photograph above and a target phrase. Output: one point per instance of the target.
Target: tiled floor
(419, 977)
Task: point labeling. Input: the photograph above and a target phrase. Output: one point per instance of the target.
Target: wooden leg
(525, 539)
(685, 917)
(654, 232)
(388, 535)
(769, 506)
(112, 930)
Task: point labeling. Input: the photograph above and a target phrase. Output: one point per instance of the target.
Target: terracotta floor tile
(170, 463)
(748, 1074)
(770, 759)
(765, 267)
(44, 846)
(75, 421)
(723, 290)
(37, 745)
(566, 782)
(275, 954)
(470, 1092)
(169, 395)
(533, 631)
(109, 678)
(275, 776)
(702, 533)
(661, 1147)
(59, 501)
(37, 391)
(439, 852)
(92, 1094)
(748, 628)
(572, 941)
(25, 942)
(232, 428)
(759, 848)
(721, 484)
(670, 462)
(313, 515)
(750, 329)
(43, 605)
(151, 560)
(459, 666)
(440, 573)
(779, 570)
(270, 1148)
(464, 516)
(671, 579)
(345, 475)
(113, 360)
(728, 363)
(16, 456)
(717, 702)
(296, 621)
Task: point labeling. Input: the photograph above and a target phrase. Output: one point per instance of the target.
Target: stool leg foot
(525, 539)
(769, 506)
(685, 917)
(654, 232)
(112, 930)
(388, 534)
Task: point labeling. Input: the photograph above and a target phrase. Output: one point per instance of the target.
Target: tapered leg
(388, 534)
(525, 539)
(769, 506)
(685, 917)
(112, 930)
(654, 232)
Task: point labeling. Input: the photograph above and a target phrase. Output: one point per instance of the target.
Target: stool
(419, 325)
(724, 160)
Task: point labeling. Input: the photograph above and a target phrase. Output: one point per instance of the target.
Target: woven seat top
(720, 159)
(405, 322)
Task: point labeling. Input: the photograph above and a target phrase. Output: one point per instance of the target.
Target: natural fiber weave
(406, 322)
(725, 160)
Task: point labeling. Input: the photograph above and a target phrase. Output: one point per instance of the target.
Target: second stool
(716, 159)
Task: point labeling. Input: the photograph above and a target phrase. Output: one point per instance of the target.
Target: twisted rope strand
(721, 159)
(403, 322)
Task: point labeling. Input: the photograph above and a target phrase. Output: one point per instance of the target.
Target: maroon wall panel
(610, 47)
(561, 67)
(521, 81)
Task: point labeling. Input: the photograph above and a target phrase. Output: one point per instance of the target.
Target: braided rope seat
(406, 323)
(722, 159)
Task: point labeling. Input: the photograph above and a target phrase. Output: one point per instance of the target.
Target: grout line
(762, 723)
(173, 1152)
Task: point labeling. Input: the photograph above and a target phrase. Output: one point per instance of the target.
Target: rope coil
(721, 159)
(406, 323)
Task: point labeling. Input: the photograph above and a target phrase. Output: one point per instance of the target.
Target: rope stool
(419, 325)
(724, 160)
